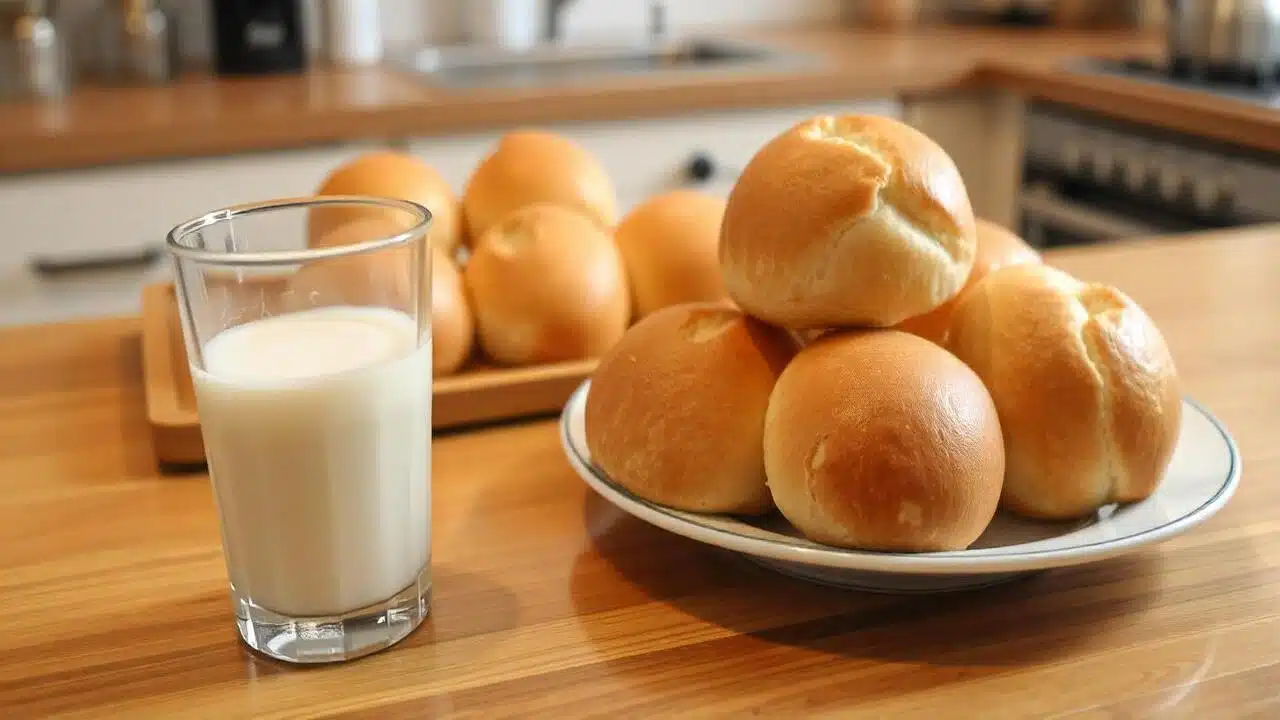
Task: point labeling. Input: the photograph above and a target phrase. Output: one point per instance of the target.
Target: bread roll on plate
(391, 175)
(529, 167)
(856, 220)
(670, 245)
(997, 247)
(881, 440)
(1087, 392)
(676, 409)
(381, 277)
(547, 284)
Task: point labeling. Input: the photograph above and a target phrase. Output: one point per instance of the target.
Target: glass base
(337, 638)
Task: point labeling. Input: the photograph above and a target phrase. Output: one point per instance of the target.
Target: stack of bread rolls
(891, 371)
(530, 262)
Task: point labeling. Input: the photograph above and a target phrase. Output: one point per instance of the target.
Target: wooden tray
(476, 395)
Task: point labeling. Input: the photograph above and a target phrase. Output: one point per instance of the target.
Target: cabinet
(84, 242)
(982, 132)
(648, 156)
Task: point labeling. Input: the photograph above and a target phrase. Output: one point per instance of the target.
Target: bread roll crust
(997, 247)
(670, 244)
(676, 409)
(855, 220)
(1087, 392)
(394, 175)
(379, 277)
(547, 284)
(529, 167)
(452, 325)
(880, 440)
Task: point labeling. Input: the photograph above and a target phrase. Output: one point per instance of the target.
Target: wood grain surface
(479, 393)
(550, 603)
(201, 115)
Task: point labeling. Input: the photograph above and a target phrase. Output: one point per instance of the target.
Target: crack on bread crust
(1098, 300)
(702, 327)
(1098, 303)
(892, 216)
(830, 129)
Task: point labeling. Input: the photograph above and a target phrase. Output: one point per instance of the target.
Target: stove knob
(701, 168)
(1227, 190)
(1071, 156)
(1135, 172)
(1205, 193)
(1170, 181)
(1103, 164)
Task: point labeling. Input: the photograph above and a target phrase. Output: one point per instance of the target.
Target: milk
(317, 432)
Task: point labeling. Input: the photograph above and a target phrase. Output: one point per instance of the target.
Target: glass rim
(293, 257)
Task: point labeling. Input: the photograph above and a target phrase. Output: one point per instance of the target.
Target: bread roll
(452, 326)
(531, 167)
(997, 247)
(670, 246)
(1086, 390)
(380, 277)
(676, 409)
(547, 284)
(856, 220)
(393, 175)
(880, 440)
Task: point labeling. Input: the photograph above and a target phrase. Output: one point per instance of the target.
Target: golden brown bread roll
(547, 284)
(1087, 392)
(676, 409)
(380, 277)
(670, 246)
(997, 247)
(452, 326)
(531, 167)
(856, 220)
(881, 440)
(392, 175)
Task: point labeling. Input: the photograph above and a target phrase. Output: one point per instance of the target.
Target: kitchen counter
(205, 116)
(551, 603)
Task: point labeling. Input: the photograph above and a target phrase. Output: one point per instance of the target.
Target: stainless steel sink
(466, 66)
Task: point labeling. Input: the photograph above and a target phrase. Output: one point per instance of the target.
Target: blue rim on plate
(1142, 524)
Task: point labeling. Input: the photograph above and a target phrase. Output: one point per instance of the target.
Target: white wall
(410, 23)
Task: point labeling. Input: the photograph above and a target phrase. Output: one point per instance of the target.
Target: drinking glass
(307, 324)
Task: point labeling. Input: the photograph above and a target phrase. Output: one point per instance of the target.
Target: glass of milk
(307, 325)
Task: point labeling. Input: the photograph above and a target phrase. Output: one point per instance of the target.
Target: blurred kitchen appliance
(1223, 50)
(255, 37)
(1217, 37)
(137, 41)
(1001, 12)
(34, 63)
(1088, 179)
(512, 24)
(352, 31)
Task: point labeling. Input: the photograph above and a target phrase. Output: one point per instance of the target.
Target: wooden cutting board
(477, 394)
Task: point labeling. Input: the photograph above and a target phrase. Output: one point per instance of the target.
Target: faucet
(552, 28)
(657, 19)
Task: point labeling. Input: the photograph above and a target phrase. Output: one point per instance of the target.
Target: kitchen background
(408, 24)
(1086, 136)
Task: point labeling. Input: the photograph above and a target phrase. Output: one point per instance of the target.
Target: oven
(1090, 179)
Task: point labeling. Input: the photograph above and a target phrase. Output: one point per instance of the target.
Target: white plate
(1201, 478)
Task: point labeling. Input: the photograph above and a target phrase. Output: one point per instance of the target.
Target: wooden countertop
(550, 603)
(205, 116)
